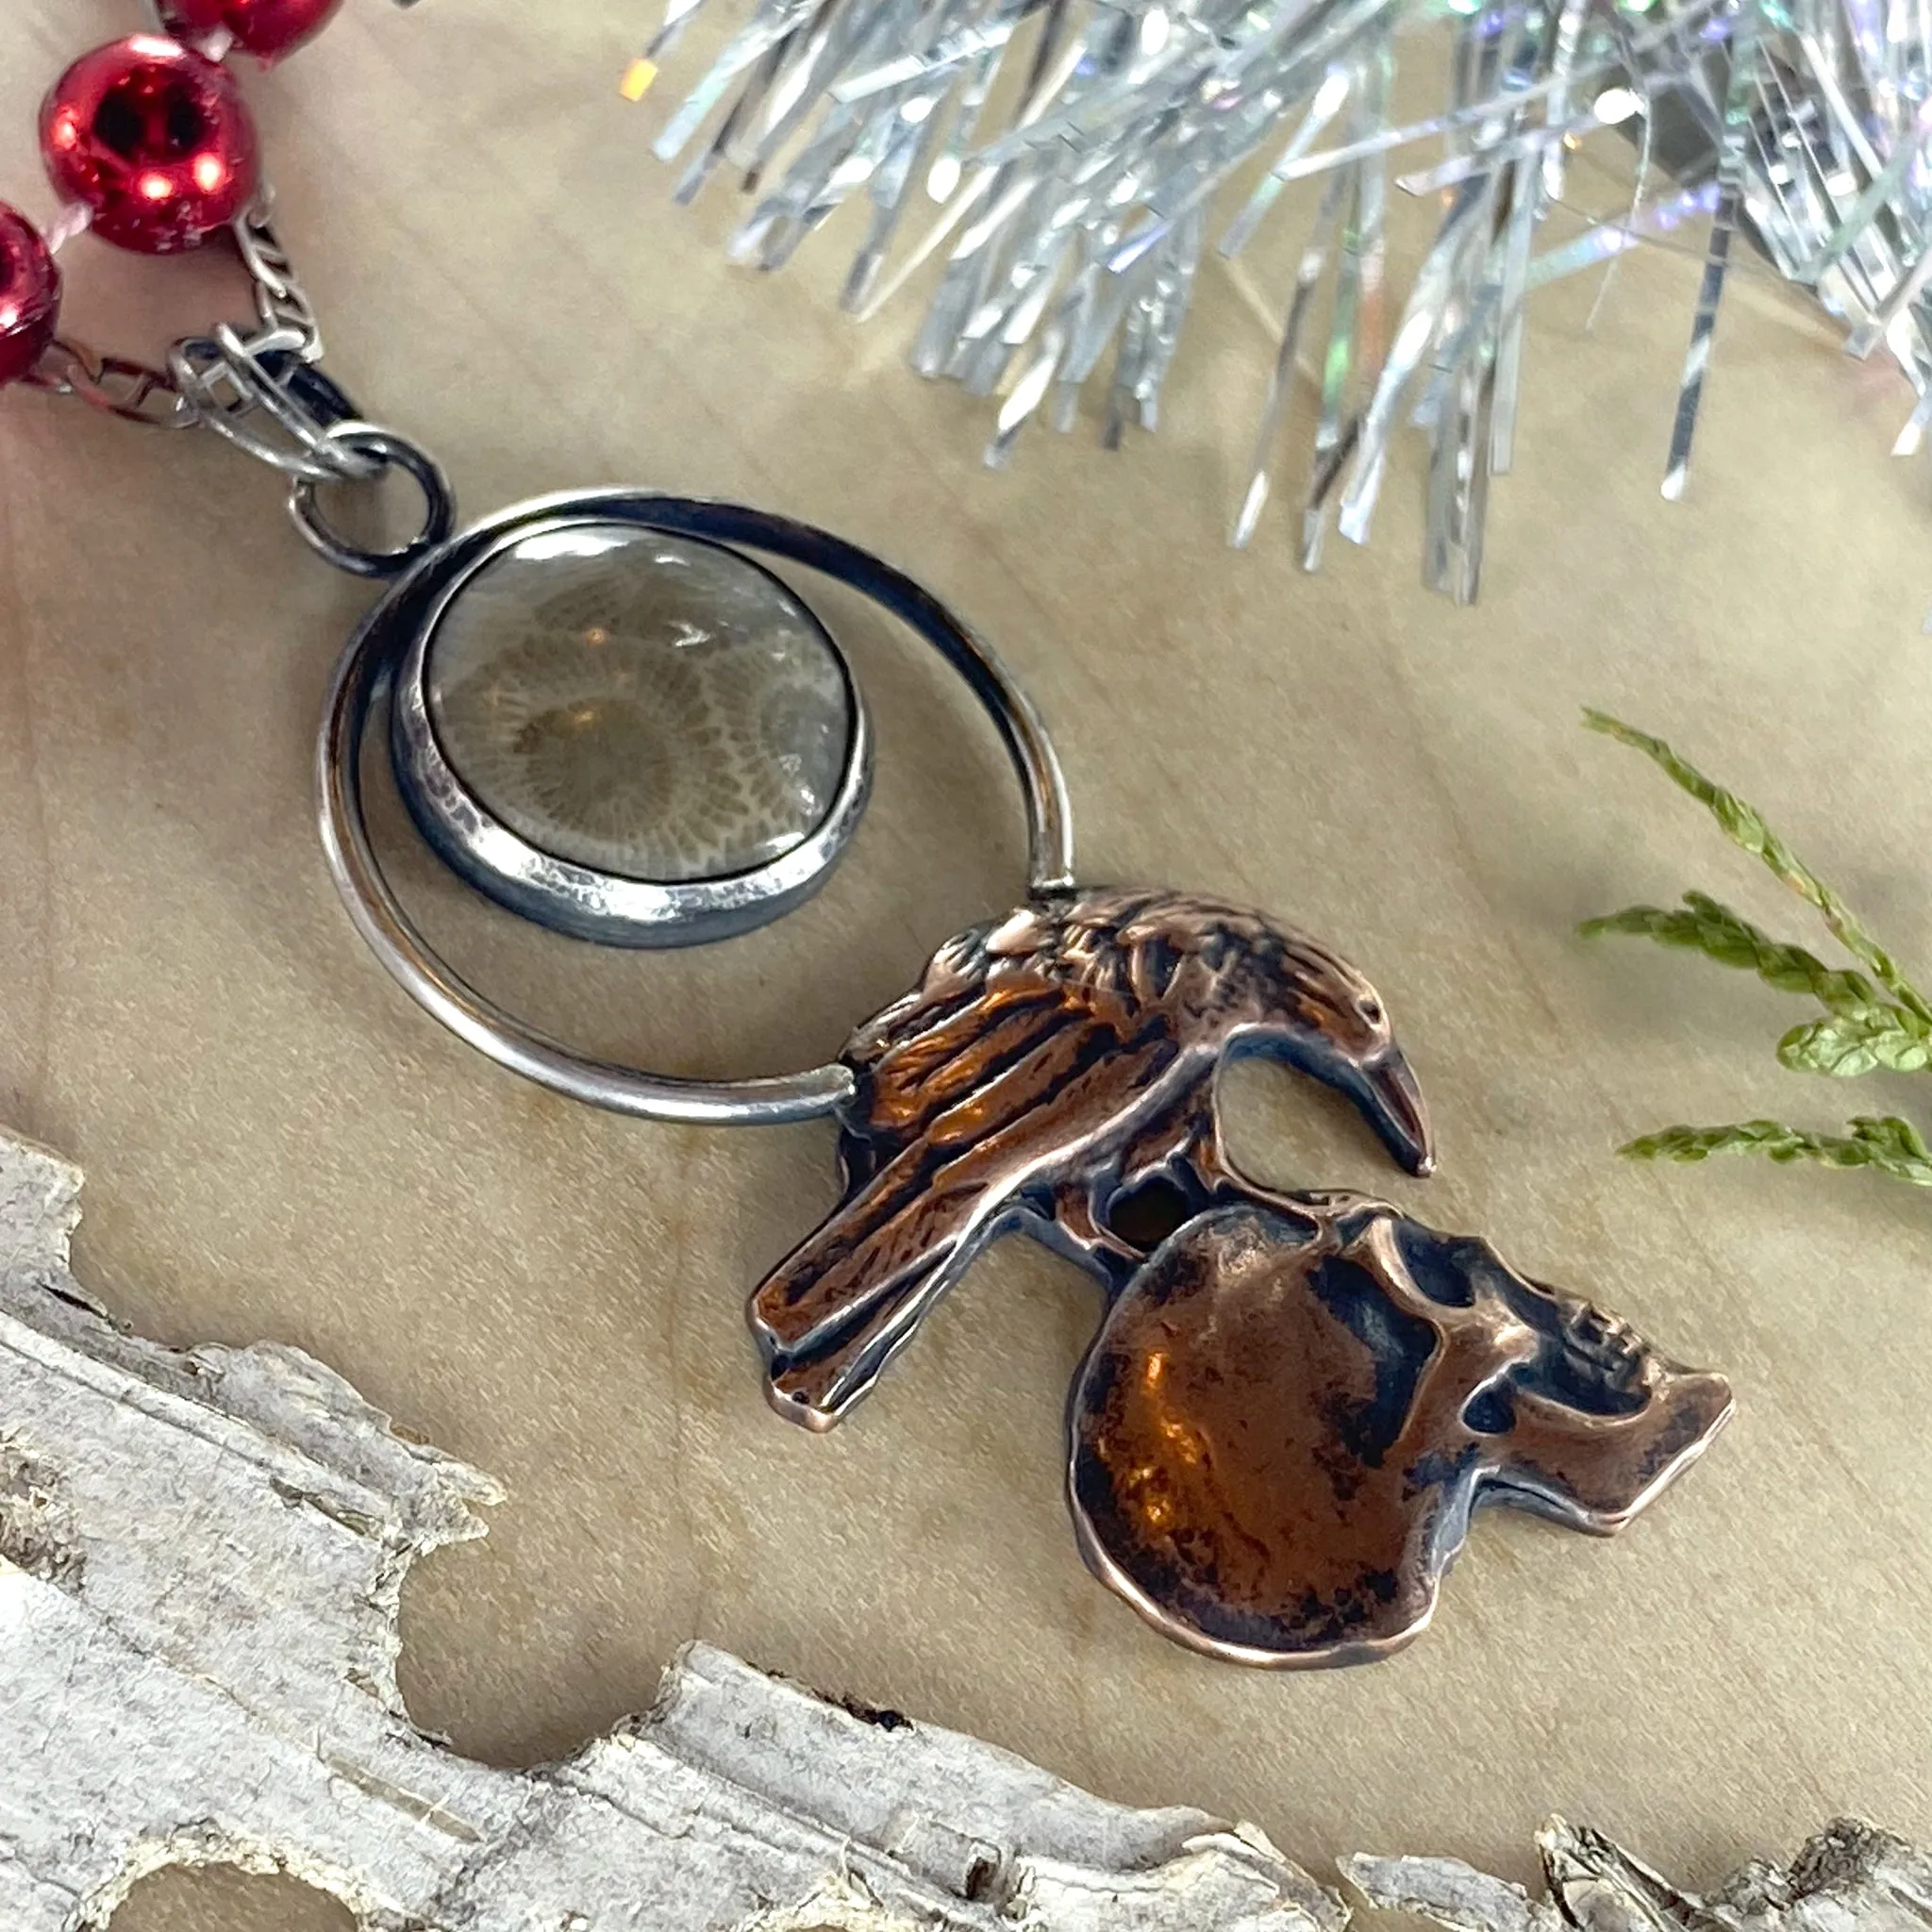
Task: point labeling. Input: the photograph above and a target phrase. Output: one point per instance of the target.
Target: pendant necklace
(608, 714)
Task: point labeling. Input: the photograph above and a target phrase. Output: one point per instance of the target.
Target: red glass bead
(155, 141)
(267, 29)
(29, 295)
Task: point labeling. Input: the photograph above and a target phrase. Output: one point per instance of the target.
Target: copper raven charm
(1055, 1066)
(1046, 1065)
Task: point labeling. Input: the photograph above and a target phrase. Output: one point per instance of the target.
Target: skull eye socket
(1490, 1411)
(1440, 1265)
(1145, 1216)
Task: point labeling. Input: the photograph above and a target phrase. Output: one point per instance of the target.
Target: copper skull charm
(1290, 1413)
(1295, 1402)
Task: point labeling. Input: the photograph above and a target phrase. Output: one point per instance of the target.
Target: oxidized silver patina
(470, 815)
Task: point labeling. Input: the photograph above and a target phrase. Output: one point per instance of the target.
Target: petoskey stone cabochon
(647, 705)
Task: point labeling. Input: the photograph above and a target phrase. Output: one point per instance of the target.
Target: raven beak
(1397, 1111)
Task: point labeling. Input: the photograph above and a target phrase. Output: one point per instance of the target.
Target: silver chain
(131, 390)
(280, 301)
(248, 388)
(265, 392)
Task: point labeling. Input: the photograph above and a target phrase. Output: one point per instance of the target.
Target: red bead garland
(155, 141)
(267, 29)
(29, 295)
(151, 138)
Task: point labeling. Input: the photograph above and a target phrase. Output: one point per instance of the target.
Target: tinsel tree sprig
(1070, 167)
(1860, 1030)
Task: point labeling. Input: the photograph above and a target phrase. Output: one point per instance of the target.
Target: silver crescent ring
(391, 642)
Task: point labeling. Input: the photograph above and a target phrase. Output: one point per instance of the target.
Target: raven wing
(1022, 1044)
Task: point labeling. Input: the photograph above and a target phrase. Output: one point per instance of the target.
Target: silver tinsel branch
(1075, 162)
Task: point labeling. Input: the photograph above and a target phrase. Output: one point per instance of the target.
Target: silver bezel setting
(580, 900)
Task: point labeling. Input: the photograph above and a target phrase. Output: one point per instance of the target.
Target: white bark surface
(201, 1560)
(1849, 1878)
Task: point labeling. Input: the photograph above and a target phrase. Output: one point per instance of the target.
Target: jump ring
(390, 451)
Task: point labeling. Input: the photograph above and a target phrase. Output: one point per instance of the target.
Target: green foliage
(1885, 1143)
(1719, 934)
(1848, 1044)
(1745, 827)
(1861, 1031)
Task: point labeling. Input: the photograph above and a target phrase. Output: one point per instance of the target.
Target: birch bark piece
(201, 1560)
(1851, 1877)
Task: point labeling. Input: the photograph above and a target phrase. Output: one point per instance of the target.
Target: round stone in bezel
(650, 708)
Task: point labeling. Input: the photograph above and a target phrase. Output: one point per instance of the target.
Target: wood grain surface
(279, 1144)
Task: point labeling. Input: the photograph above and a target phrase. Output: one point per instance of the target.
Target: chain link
(281, 303)
(265, 392)
(131, 390)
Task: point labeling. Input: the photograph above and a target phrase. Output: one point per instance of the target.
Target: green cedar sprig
(1861, 1031)
(1721, 934)
(1885, 1143)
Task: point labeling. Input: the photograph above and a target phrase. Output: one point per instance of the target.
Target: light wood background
(279, 1144)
